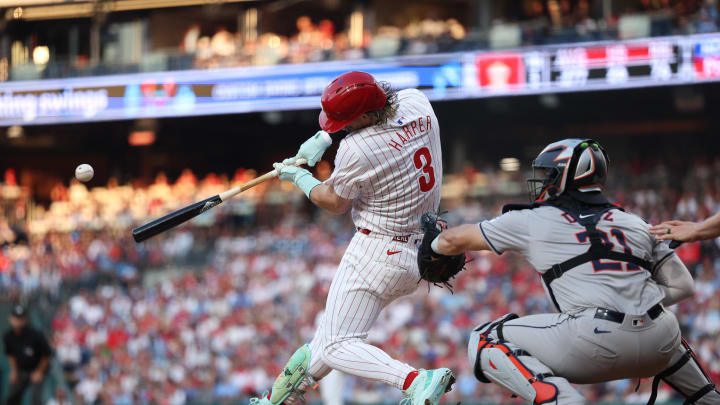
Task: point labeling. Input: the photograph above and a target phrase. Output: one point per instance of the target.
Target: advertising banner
(534, 70)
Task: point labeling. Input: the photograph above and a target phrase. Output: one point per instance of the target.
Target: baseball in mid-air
(84, 172)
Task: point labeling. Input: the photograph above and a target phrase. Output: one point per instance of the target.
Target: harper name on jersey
(422, 124)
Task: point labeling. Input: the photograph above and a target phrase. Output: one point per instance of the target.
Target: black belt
(619, 317)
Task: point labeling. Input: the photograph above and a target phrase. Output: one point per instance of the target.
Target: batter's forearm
(459, 240)
(324, 197)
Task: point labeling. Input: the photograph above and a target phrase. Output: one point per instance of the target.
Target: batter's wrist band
(325, 138)
(434, 244)
(306, 183)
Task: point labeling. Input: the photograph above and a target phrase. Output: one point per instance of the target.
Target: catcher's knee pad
(494, 361)
(686, 376)
(480, 336)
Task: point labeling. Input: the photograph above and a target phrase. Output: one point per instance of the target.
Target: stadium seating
(213, 314)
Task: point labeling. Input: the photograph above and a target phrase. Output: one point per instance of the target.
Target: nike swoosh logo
(392, 252)
(586, 216)
(598, 331)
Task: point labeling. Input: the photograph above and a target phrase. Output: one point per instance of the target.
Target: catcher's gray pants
(582, 349)
(687, 377)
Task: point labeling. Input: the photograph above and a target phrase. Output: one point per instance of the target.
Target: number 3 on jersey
(423, 160)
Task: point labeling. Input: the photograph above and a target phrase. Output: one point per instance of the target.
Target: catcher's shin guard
(686, 376)
(494, 361)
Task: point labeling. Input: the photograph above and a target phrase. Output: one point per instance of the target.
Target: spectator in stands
(60, 398)
(190, 39)
(91, 386)
(28, 353)
(223, 42)
(708, 17)
(585, 26)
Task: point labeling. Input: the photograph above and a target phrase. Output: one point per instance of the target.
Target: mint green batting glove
(302, 178)
(312, 149)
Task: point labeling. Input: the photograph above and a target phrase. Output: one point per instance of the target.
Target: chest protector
(587, 216)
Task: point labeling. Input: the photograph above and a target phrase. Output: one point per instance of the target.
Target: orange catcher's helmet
(349, 96)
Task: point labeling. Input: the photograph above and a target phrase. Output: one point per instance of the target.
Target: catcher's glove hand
(434, 267)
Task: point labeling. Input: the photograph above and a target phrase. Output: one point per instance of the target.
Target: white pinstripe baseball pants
(374, 271)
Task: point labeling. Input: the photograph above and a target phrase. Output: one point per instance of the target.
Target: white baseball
(84, 172)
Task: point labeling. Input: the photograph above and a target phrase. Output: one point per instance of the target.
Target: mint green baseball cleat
(291, 383)
(428, 387)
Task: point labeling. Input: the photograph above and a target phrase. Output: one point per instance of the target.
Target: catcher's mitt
(434, 267)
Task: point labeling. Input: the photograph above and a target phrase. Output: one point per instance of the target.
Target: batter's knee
(329, 350)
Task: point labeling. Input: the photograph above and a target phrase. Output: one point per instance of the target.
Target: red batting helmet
(349, 96)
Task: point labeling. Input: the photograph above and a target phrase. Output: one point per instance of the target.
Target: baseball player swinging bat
(189, 212)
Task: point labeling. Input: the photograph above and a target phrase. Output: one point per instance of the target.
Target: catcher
(603, 271)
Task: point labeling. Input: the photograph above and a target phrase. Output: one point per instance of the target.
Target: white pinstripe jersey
(392, 171)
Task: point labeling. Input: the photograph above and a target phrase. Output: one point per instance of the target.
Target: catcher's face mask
(542, 184)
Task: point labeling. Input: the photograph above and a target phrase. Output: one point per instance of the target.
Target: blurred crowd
(561, 21)
(207, 43)
(231, 296)
(320, 42)
(532, 22)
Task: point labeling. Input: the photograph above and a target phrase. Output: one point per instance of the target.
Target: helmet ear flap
(588, 167)
(585, 164)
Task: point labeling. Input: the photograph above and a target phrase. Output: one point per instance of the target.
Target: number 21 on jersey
(423, 160)
(601, 265)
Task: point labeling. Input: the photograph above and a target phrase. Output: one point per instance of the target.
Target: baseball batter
(607, 276)
(388, 169)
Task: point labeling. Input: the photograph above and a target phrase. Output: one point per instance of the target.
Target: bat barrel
(174, 219)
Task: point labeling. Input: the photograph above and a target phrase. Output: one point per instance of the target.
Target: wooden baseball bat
(189, 212)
